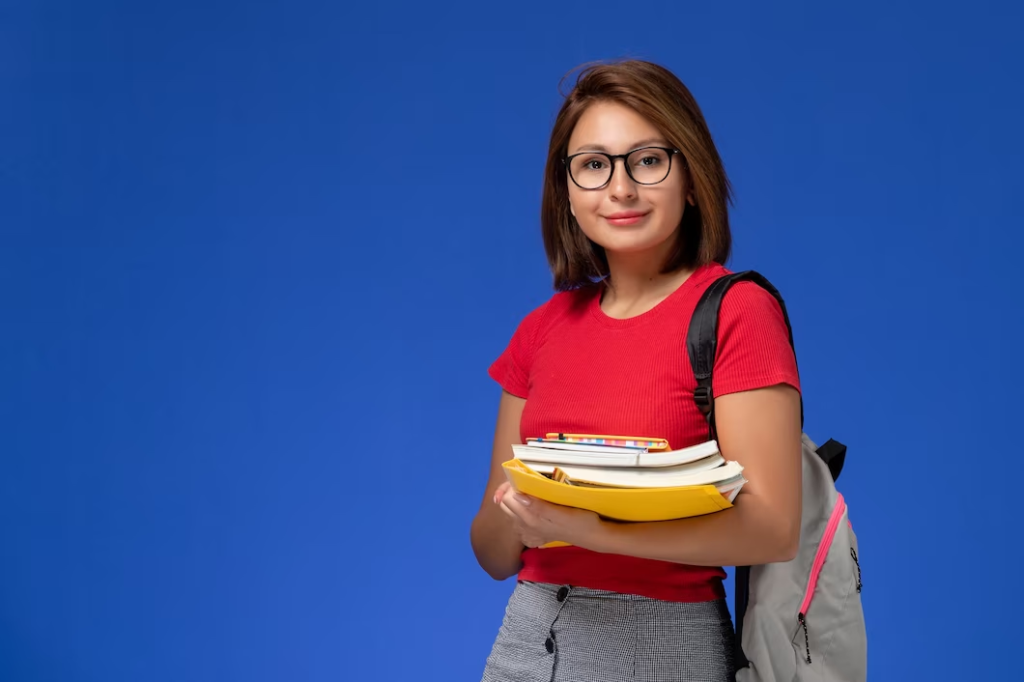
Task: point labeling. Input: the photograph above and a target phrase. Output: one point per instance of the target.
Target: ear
(572, 210)
(690, 200)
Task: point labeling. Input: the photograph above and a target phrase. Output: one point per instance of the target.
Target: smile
(626, 218)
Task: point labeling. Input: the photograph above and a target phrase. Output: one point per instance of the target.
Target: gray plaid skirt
(555, 633)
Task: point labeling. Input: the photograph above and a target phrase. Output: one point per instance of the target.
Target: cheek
(580, 201)
(673, 210)
(671, 204)
(585, 206)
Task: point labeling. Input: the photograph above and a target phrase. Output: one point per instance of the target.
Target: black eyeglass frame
(567, 161)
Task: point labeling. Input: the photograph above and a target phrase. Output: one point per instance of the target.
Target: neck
(633, 276)
(636, 283)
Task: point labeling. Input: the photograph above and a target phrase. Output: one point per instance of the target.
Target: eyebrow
(636, 145)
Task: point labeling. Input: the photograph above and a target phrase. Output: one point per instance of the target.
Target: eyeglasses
(645, 166)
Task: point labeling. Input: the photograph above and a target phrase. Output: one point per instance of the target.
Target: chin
(638, 242)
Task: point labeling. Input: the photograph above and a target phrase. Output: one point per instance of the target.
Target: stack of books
(625, 478)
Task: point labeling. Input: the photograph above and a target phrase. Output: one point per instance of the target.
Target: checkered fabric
(555, 633)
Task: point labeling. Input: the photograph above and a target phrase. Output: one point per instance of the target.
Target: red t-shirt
(582, 371)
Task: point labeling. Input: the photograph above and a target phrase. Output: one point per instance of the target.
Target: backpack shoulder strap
(701, 345)
(702, 338)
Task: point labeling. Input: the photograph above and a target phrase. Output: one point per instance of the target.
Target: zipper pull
(807, 641)
(853, 553)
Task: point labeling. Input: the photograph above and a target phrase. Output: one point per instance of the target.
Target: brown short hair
(657, 94)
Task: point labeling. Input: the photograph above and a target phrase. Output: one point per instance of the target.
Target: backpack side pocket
(829, 638)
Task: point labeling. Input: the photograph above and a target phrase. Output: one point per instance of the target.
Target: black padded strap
(833, 453)
(702, 345)
(742, 595)
(702, 338)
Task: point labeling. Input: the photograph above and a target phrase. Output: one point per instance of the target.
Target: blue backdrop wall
(256, 257)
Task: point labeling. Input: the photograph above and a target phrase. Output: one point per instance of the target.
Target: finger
(502, 490)
(523, 506)
(511, 513)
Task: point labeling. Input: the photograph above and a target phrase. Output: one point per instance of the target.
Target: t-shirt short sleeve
(512, 368)
(753, 343)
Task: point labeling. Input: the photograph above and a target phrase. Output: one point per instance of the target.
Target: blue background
(254, 256)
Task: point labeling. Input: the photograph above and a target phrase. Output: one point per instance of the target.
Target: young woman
(636, 227)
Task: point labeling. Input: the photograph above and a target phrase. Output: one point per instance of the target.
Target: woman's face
(623, 216)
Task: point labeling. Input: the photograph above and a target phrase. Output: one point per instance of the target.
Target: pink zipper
(819, 561)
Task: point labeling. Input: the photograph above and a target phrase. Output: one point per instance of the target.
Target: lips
(626, 217)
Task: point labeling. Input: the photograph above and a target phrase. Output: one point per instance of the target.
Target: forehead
(612, 127)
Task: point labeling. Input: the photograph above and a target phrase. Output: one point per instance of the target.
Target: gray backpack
(800, 620)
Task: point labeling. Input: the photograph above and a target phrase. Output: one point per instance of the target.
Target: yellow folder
(619, 504)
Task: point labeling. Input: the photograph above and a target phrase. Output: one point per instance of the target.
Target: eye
(592, 165)
(648, 159)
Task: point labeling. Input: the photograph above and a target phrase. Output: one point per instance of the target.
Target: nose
(621, 185)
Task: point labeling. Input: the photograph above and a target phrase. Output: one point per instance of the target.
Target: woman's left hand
(539, 522)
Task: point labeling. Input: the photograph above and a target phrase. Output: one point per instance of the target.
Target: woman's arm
(495, 542)
(760, 429)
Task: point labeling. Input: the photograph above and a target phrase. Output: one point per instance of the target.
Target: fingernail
(523, 500)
